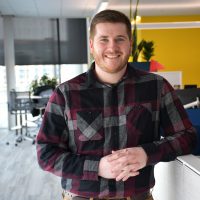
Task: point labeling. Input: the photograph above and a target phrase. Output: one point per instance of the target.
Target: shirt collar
(91, 77)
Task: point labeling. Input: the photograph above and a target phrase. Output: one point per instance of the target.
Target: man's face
(110, 46)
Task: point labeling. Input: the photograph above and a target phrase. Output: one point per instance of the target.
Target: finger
(122, 175)
(112, 157)
(135, 166)
(131, 174)
(130, 169)
(120, 151)
(119, 165)
(116, 156)
(135, 173)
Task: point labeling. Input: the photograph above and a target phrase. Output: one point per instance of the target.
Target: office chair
(20, 104)
(44, 92)
(188, 95)
(42, 95)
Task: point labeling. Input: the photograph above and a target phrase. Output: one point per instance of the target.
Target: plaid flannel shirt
(86, 119)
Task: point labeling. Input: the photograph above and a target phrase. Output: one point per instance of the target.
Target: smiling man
(110, 47)
(101, 130)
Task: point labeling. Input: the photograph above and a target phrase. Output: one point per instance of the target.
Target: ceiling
(87, 8)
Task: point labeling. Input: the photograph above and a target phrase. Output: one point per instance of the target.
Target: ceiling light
(102, 6)
(169, 6)
(169, 25)
(138, 20)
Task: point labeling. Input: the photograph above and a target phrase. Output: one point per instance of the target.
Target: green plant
(44, 80)
(134, 44)
(148, 50)
(144, 47)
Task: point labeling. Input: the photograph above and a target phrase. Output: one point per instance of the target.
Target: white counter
(178, 180)
(192, 162)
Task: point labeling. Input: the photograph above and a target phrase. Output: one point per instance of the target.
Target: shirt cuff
(151, 151)
(90, 170)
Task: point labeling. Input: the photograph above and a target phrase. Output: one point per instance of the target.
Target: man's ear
(91, 46)
(131, 45)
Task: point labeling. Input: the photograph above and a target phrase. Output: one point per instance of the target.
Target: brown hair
(112, 16)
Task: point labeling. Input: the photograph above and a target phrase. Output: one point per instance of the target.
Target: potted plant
(43, 81)
(38, 86)
(146, 48)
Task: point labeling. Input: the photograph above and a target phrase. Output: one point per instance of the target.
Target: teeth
(112, 56)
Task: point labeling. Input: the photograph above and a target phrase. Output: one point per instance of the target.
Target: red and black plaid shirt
(86, 119)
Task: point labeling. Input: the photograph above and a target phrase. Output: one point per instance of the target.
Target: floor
(20, 176)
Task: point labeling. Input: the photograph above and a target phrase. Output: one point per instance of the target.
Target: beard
(111, 64)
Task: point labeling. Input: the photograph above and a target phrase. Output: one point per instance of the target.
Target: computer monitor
(190, 86)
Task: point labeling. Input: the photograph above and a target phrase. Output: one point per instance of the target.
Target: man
(101, 129)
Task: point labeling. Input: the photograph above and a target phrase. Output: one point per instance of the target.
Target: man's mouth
(112, 56)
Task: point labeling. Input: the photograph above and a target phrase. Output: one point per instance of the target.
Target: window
(3, 99)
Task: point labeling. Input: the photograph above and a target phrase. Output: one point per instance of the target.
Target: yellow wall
(176, 49)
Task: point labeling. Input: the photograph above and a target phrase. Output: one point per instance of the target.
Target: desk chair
(20, 104)
(44, 92)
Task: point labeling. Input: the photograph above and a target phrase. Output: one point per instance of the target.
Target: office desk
(178, 180)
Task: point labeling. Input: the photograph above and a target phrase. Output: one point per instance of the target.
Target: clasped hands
(122, 164)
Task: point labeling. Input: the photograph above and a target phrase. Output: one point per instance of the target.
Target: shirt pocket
(139, 110)
(89, 125)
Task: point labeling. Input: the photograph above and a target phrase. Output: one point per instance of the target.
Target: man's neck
(109, 78)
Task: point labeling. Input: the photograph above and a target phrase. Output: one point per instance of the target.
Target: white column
(88, 41)
(9, 57)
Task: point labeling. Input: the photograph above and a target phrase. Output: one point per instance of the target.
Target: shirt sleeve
(179, 136)
(53, 146)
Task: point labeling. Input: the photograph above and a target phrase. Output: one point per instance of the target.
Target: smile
(112, 56)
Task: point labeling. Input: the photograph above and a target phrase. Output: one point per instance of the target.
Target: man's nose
(112, 44)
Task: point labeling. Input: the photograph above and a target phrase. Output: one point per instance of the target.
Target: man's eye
(119, 39)
(104, 40)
